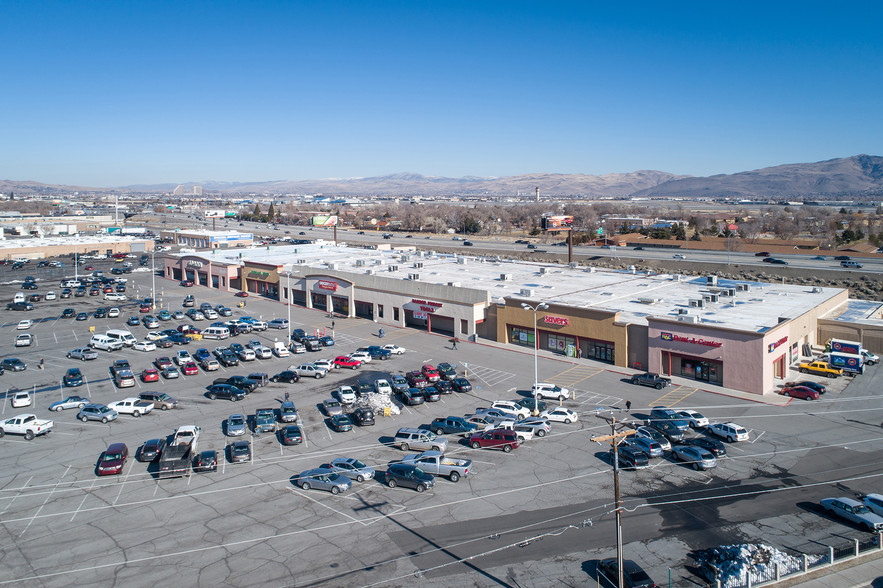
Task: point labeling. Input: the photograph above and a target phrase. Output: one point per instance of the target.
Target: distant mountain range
(850, 177)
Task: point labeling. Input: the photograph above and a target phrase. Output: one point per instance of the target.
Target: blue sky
(116, 93)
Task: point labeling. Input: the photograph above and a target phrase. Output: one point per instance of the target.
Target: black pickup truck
(652, 380)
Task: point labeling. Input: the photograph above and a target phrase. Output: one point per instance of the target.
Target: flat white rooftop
(29, 242)
(207, 233)
(637, 296)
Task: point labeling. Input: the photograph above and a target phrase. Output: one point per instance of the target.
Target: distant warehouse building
(45, 247)
(743, 335)
(199, 239)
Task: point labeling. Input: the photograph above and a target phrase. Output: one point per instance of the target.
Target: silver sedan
(352, 468)
(324, 479)
(697, 457)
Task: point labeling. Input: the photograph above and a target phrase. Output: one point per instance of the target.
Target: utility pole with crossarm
(615, 438)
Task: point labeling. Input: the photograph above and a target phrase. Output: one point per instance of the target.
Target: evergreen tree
(257, 210)
(271, 212)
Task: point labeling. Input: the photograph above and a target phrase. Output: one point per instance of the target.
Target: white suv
(729, 431)
(512, 407)
(545, 390)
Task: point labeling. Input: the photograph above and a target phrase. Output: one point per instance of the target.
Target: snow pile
(379, 402)
(733, 563)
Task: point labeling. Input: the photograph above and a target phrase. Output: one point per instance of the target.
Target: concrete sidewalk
(772, 399)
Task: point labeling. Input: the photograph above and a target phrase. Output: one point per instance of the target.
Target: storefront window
(520, 336)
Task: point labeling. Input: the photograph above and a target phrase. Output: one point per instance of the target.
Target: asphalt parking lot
(541, 513)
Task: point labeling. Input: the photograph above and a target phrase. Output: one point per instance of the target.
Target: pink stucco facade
(745, 361)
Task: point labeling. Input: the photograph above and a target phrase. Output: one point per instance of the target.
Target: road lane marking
(87, 496)
(17, 494)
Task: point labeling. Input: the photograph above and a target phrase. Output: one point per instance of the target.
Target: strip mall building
(746, 336)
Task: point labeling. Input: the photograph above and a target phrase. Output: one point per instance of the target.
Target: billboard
(324, 220)
(557, 223)
(214, 213)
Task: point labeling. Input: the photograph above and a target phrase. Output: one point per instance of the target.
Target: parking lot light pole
(536, 342)
(288, 304)
(153, 276)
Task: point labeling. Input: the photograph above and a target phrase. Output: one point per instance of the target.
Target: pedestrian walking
(380, 333)
(41, 363)
(454, 344)
(628, 405)
(286, 396)
(332, 325)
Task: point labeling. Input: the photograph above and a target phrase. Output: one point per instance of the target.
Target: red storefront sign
(326, 285)
(556, 320)
(695, 341)
(426, 306)
(781, 341)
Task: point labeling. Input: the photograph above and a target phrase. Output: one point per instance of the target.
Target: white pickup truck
(26, 424)
(133, 406)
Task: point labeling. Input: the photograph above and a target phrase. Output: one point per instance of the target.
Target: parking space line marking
(87, 496)
(48, 496)
(758, 437)
(132, 465)
(17, 494)
(313, 500)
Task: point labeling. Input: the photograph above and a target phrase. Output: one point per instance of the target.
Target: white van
(70, 283)
(280, 350)
(19, 297)
(105, 343)
(123, 336)
(216, 333)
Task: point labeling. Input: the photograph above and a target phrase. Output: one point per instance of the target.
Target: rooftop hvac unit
(697, 303)
(414, 277)
(648, 300)
(743, 287)
(378, 262)
(591, 270)
(369, 271)
(301, 261)
(360, 263)
(505, 277)
(544, 270)
(573, 264)
(711, 280)
(461, 260)
(688, 318)
(728, 292)
(710, 297)
(527, 292)
(333, 266)
(683, 311)
(405, 258)
(418, 265)
(393, 268)
(454, 284)
(816, 290)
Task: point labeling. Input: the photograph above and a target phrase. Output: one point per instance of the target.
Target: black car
(409, 476)
(430, 394)
(530, 404)
(100, 313)
(163, 343)
(206, 461)
(669, 430)
(363, 416)
(287, 377)
(364, 388)
(240, 451)
(631, 458)
(66, 293)
(13, 364)
(811, 385)
(73, 378)
(341, 423)
(778, 262)
(80, 293)
(712, 445)
(291, 435)
(225, 391)
(151, 450)
(132, 321)
(444, 387)
(632, 574)
(67, 313)
(245, 384)
(461, 385)
(29, 286)
(842, 258)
